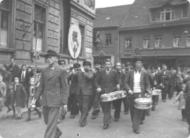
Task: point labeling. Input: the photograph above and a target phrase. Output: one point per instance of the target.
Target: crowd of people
(80, 87)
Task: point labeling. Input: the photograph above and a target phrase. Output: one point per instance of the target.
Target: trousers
(51, 116)
(137, 116)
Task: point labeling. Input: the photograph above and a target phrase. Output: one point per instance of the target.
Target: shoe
(106, 126)
(82, 124)
(126, 112)
(58, 134)
(9, 110)
(28, 119)
(40, 115)
(93, 117)
(72, 116)
(136, 131)
(116, 119)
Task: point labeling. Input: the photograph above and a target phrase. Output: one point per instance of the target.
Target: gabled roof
(132, 16)
(139, 12)
(111, 16)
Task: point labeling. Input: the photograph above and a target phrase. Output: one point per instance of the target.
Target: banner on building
(74, 41)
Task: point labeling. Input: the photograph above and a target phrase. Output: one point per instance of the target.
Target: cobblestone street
(165, 122)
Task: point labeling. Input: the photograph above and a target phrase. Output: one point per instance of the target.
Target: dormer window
(167, 15)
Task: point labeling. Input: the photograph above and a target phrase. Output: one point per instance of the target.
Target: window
(176, 41)
(188, 41)
(39, 28)
(146, 43)
(128, 43)
(108, 39)
(167, 15)
(4, 21)
(157, 43)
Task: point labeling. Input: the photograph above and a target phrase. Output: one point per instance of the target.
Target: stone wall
(24, 26)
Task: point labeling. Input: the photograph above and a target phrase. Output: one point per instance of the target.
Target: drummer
(107, 82)
(137, 84)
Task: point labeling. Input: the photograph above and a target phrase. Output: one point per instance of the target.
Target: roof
(140, 11)
(111, 16)
(132, 16)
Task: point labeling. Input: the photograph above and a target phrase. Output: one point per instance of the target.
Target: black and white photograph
(94, 68)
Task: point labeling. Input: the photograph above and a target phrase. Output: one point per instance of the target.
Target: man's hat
(76, 65)
(86, 63)
(51, 53)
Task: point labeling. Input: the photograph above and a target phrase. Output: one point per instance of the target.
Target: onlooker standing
(2, 92)
(13, 69)
(20, 94)
(187, 95)
(181, 102)
(29, 75)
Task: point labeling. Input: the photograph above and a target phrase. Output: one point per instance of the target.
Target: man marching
(54, 90)
(86, 92)
(137, 84)
(107, 82)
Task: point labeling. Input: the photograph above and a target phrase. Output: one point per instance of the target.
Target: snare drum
(143, 103)
(108, 97)
(156, 92)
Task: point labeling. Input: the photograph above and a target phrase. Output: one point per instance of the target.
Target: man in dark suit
(117, 103)
(137, 84)
(86, 90)
(164, 82)
(13, 68)
(73, 91)
(54, 90)
(96, 101)
(107, 82)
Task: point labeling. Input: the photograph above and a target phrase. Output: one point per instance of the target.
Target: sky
(110, 3)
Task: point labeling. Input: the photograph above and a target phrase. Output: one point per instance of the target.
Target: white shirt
(137, 79)
(23, 75)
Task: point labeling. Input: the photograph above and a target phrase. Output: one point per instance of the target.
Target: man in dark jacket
(187, 95)
(117, 103)
(86, 92)
(13, 68)
(73, 91)
(54, 90)
(96, 101)
(137, 84)
(107, 82)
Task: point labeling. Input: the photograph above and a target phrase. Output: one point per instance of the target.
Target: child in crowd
(3, 90)
(181, 102)
(20, 100)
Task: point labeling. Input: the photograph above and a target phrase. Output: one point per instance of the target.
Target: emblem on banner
(75, 39)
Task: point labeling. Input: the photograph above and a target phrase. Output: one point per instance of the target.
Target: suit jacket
(14, 69)
(107, 82)
(20, 95)
(144, 82)
(53, 87)
(74, 84)
(86, 83)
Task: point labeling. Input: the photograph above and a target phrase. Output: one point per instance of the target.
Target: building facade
(106, 33)
(29, 28)
(156, 32)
